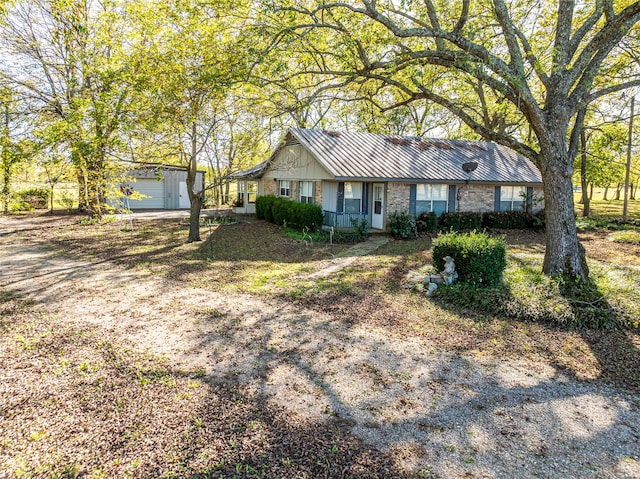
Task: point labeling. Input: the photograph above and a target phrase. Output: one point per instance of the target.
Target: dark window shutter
(452, 197)
(496, 200)
(365, 198)
(412, 199)
(340, 202)
(529, 206)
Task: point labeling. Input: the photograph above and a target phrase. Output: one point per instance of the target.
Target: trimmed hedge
(469, 221)
(427, 222)
(480, 259)
(460, 221)
(517, 220)
(299, 216)
(263, 207)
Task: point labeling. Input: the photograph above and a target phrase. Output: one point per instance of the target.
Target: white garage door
(153, 189)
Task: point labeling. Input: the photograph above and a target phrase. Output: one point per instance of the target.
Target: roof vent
(335, 134)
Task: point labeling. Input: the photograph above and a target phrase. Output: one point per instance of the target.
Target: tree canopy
(172, 80)
(521, 74)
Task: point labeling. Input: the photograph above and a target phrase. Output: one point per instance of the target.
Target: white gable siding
(295, 163)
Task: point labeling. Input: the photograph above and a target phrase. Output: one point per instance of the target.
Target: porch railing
(342, 220)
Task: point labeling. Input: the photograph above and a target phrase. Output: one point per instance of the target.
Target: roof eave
(435, 181)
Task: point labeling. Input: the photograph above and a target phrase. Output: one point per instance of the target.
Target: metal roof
(387, 157)
(367, 156)
(250, 173)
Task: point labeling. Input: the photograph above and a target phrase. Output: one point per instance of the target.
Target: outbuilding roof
(371, 157)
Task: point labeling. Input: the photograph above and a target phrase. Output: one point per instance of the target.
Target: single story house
(369, 176)
(162, 187)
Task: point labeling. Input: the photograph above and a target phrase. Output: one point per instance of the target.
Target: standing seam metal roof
(386, 157)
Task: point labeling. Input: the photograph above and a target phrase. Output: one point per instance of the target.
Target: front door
(377, 213)
(184, 201)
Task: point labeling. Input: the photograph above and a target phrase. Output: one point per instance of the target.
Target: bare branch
(464, 16)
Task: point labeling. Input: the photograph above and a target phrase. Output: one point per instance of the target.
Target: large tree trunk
(606, 192)
(195, 198)
(95, 188)
(564, 254)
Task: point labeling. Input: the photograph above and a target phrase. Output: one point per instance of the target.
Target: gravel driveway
(450, 415)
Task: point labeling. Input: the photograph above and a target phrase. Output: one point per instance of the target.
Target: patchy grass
(627, 237)
(78, 404)
(607, 301)
(258, 258)
(608, 210)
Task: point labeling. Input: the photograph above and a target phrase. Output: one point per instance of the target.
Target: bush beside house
(403, 225)
(299, 216)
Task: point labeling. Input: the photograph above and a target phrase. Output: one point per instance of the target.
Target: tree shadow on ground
(148, 419)
(584, 335)
(448, 413)
(615, 347)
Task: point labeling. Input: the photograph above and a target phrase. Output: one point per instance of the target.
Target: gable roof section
(251, 173)
(371, 157)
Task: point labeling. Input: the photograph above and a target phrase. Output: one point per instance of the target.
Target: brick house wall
(479, 198)
(397, 198)
(269, 187)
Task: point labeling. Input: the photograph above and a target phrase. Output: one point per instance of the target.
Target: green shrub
(427, 222)
(300, 216)
(517, 220)
(480, 259)
(281, 212)
(537, 221)
(308, 216)
(16, 206)
(358, 233)
(402, 225)
(36, 197)
(264, 204)
(67, 200)
(455, 221)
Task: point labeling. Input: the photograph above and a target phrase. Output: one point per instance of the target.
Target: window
(284, 188)
(240, 196)
(512, 198)
(431, 198)
(352, 198)
(306, 192)
(252, 190)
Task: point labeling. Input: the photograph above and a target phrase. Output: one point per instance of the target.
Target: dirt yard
(269, 389)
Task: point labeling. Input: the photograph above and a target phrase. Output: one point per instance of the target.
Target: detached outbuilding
(368, 176)
(162, 187)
